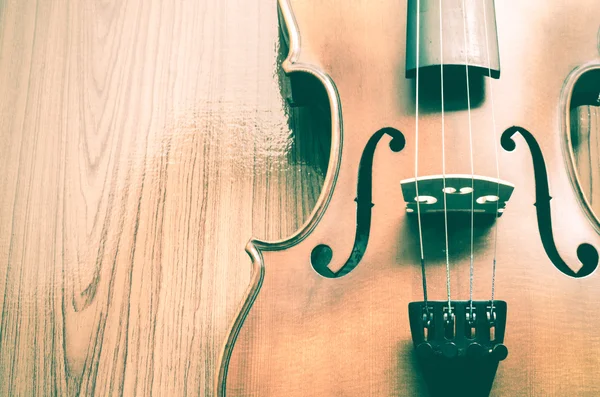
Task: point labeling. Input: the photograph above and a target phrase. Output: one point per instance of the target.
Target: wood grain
(142, 144)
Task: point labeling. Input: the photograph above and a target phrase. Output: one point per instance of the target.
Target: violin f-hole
(322, 254)
(586, 253)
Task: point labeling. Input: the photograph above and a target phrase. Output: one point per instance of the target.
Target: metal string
(472, 267)
(497, 162)
(444, 159)
(418, 198)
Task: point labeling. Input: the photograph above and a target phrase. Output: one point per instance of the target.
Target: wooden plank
(142, 144)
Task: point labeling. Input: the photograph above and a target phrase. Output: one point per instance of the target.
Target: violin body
(300, 332)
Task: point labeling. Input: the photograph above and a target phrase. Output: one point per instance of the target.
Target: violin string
(418, 198)
(444, 159)
(471, 267)
(496, 158)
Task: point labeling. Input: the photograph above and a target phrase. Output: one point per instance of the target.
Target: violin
(452, 250)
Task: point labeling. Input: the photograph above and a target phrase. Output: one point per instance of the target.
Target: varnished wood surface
(142, 144)
(350, 336)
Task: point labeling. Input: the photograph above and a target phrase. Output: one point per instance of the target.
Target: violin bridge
(463, 193)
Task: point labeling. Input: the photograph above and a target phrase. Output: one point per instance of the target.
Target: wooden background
(142, 143)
